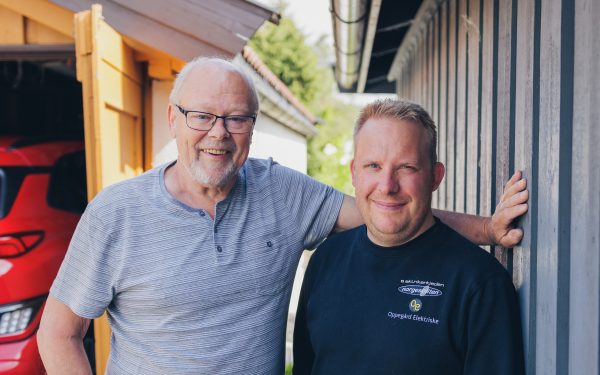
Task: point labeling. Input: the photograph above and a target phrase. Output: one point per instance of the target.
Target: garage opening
(42, 191)
(40, 99)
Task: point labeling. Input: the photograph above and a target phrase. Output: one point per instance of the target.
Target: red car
(42, 196)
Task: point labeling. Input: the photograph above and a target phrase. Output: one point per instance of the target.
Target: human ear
(438, 175)
(171, 116)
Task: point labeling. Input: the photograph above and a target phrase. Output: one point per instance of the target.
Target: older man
(194, 261)
(404, 294)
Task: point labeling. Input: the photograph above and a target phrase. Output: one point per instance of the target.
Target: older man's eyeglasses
(204, 121)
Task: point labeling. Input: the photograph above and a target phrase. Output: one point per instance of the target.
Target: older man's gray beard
(200, 175)
(204, 177)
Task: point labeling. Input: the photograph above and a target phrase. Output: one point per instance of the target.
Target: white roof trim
(275, 105)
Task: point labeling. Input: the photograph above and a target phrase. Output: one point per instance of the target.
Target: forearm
(349, 216)
(64, 356)
(472, 227)
(60, 340)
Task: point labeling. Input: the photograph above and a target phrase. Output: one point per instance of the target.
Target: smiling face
(212, 158)
(394, 179)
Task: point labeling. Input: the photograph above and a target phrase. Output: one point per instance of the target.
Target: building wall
(512, 85)
(272, 139)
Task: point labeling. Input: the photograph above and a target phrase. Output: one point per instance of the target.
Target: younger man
(404, 294)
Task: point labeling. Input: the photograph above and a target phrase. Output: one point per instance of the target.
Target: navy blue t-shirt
(435, 305)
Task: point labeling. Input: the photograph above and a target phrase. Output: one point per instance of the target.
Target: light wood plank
(115, 53)
(488, 98)
(37, 33)
(585, 199)
(443, 98)
(44, 12)
(435, 79)
(119, 91)
(548, 194)
(526, 159)
(503, 114)
(12, 29)
(473, 108)
(461, 103)
(451, 153)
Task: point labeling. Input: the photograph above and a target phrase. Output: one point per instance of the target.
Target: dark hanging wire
(337, 16)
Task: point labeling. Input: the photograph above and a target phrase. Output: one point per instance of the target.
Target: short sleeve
(313, 205)
(493, 332)
(85, 281)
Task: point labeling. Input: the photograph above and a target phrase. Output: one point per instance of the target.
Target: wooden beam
(11, 27)
(36, 52)
(38, 33)
(160, 69)
(44, 12)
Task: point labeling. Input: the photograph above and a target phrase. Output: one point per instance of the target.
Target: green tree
(304, 69)
(283, 48)
(330, 151)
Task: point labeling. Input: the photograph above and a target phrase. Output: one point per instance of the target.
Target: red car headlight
(15, 244)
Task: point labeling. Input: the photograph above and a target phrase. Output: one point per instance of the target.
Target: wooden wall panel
(473, 108)
(488, 98)
(526, 159)
(585, 199)
(461, 108)
(422, 67)
(526, 88)
(38, 33)
(435, 92)
(44, 12)
(443, 99)
(11, 27)
(431, 83)
(429, 63)
(451, 125)
(503, 110)
(548, 196)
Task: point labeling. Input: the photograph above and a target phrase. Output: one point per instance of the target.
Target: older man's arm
(349, 216)
(60, 340)
(496, 230)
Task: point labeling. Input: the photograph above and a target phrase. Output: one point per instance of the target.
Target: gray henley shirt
(186, 294)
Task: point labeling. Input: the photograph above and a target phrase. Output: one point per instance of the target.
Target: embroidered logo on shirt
(420, 290)
(415, 305)
(413, 317)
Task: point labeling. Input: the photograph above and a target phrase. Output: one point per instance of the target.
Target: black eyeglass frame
(225, 118)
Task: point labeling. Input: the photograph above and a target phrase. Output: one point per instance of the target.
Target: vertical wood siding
(461, 106)
(442, 20)
(526, 146)
(585, 196)
(450, 141)
(515, 85)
